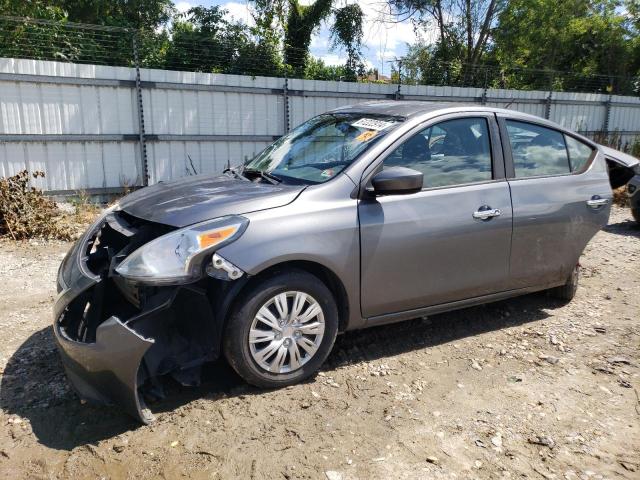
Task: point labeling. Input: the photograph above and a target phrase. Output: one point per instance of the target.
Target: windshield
(322, 147)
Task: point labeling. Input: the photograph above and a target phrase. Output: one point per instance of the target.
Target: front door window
(453, 152)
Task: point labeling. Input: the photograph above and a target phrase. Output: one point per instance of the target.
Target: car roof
(395, 108)
(414, 108)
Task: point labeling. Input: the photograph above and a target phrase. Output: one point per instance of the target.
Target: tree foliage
(347, 32)
(301, 21)
(590, 45)
(463, 30)
(202, 39)
(584, 37)
(536, 44)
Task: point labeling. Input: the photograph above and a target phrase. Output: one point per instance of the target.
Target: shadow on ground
(34, 385)
(628, 228)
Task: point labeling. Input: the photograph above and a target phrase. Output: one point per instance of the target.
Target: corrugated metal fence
(100, 128)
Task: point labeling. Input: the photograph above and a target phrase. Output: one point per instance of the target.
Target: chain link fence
(242, 54)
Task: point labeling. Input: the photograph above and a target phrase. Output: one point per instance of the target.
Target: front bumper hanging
(117, 338)
(106, 371)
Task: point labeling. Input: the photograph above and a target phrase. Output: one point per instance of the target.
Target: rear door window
(537, 151)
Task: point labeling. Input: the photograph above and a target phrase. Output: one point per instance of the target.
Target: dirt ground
(525, 388)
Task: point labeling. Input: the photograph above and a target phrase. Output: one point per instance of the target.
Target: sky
(383, 40)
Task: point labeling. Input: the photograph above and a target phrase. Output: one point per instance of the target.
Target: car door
(561, 197)
(451, 240)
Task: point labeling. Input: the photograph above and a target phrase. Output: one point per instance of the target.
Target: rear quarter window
(579, 153)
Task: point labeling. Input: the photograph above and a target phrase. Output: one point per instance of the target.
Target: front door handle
(597, 202)
(485, 213)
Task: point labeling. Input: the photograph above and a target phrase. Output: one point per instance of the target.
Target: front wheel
(281, 330)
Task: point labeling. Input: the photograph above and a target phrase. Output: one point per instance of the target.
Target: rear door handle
(597, 202)
(485, 213)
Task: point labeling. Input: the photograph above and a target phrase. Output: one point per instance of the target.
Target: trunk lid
(622, 166)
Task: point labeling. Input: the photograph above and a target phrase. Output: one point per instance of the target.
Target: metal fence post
(285, 94)
(607, 116)
(398, 95)
(483, 99)
(547, 106)
(141, 133)
(549, 99)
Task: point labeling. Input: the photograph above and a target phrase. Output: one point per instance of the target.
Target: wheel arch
(322, 272)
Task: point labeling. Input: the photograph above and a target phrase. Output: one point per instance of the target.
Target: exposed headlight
(88, 235)
(177, 257)
(100, 220)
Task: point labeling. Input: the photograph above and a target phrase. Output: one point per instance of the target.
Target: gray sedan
(362, 216)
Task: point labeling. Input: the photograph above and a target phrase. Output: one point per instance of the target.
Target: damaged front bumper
(117, 338)
(106, 371)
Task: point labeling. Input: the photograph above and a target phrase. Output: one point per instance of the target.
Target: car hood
(202, 197)
(621, 158)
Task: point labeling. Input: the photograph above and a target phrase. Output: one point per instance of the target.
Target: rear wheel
(281, 330)
(567, 291)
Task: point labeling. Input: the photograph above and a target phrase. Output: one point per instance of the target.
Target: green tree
(297, 23)
(537, 39)
(301, 21)
(632, 9)
(60, 40)
(146, 15)
(463, 33)
(347, 31)
(204, 40)
(316, 69)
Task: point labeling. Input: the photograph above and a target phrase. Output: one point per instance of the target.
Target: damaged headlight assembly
(178, 257)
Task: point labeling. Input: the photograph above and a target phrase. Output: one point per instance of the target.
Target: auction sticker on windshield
(366, 135)
(372, 124)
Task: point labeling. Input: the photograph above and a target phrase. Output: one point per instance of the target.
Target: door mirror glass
(397, 181)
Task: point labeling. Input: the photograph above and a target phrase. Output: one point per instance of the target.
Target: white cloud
(385, 38)
(332, 59)
(183, 6)
(320, 41)
(239, 12)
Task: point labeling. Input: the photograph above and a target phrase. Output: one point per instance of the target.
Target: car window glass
(453, 152)
(579, 153)
(537, 150)
(321, 147)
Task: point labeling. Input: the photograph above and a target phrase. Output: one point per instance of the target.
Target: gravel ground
(525, 388)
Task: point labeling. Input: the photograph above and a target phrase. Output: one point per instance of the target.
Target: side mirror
(397, 181)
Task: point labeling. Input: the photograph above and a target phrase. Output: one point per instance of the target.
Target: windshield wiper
(235, 172)
(269, 177)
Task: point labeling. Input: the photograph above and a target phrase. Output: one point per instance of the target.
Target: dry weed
(26, 213)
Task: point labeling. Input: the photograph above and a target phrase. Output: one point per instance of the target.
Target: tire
(567, 291)
(636, 214)
(244, 322)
